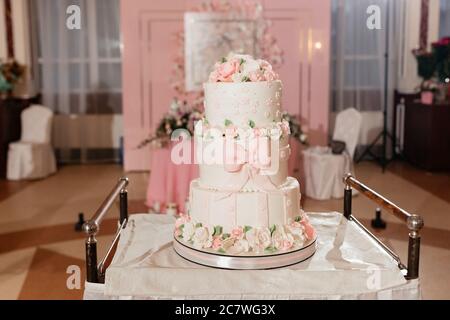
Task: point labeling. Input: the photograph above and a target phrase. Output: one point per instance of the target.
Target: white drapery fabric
(32, 157)
(145, 266)
(80, 69)
(444, 19)
(358, 54)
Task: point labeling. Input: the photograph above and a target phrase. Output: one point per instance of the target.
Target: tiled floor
(38, 242)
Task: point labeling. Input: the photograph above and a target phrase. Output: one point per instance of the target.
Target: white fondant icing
(237, 101)
(216, 177)
(249, 209)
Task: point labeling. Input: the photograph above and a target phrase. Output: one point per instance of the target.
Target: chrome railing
(414, 223)
(95, 273)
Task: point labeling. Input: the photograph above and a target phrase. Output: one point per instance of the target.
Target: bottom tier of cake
(245, 240)
(229, 208)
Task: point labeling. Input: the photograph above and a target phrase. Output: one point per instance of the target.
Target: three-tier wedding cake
(244, 209)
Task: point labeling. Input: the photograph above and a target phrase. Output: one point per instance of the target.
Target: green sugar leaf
(270, 249)
(223, 60)
(272, 229)
(298, 219)
(228, 123)
(221, 250)
(198, 225)
(217, 231)
(245, 79)
(251, 123)
(241, 62)
(225, 236)
(247, 228)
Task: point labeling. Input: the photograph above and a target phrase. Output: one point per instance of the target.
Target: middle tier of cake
(230, 209)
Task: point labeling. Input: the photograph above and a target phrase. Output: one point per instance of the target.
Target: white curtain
(80, 70)
(358, 55)
(444, 19)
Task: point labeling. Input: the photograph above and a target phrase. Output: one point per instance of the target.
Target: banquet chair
(32, 157)
(323, 169)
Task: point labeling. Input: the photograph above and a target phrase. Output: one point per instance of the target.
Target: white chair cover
(347, 128)
(32, 157)
(324, 170)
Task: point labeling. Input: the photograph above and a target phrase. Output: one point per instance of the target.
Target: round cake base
(248, 262)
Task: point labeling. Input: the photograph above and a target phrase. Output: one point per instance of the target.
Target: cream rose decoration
(240, 246)
(228, 243)
(258, 239)
(202, 238)
(297, 231)
(188, 231)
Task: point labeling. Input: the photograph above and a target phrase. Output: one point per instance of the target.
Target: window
(444, 19)
(357, 55)
(80, 70)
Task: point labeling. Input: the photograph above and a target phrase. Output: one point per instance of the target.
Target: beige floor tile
(13, 271)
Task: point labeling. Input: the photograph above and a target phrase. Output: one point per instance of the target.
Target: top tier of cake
(242, 103)
(242, 91)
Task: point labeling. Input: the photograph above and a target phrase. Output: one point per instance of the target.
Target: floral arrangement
(180, 116)
(434, 66)
(245, 239)
(295, 128)
(242, 68)
(192, 120)
(10, 73)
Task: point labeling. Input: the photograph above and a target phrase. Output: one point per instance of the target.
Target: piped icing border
(245, 239)
(276, 129)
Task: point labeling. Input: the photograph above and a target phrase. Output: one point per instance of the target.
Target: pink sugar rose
(237, 233)
(182, 220)
(264, 64)
(227, 69)
(285, 127)
(286, 244)
(295, 224)
(231, 131)
(214, 76)
(270, 75)
(309, 230)
(255, 76)
(257, 132)
(217, 243)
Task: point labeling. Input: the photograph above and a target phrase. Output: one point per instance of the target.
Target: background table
(347, 265)
(169, 183)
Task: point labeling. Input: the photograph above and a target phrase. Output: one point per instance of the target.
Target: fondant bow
(254, 163)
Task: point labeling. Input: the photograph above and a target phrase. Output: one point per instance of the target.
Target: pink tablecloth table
(169, 182)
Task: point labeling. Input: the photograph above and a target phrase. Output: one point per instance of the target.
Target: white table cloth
(324, 172)
(347, 265)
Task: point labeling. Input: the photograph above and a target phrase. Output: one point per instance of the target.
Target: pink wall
(149, 48)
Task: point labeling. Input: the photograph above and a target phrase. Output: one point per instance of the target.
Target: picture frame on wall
(211, 36)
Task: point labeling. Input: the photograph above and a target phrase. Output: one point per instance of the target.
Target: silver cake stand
(247, 262)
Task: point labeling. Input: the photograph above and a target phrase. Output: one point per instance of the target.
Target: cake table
(348, 264)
